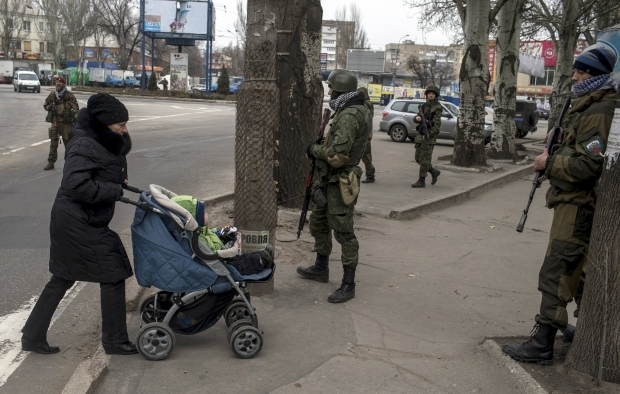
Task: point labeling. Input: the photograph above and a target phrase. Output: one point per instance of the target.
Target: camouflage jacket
(66, 107)
(432, 112)
(574, 169)
(344, 145)
(371, 108)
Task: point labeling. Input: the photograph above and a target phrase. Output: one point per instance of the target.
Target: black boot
(319, 271)
(49, 166)
(346, 291)
(569, 333)
(124, 348)
(419, 183)
(538, 349)
(41, 347)
(434, 174)
(369, 180)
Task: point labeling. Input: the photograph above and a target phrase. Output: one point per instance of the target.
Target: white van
(26, 80)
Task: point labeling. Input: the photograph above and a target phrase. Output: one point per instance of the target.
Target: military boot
(569, 333)
(319, 271)
(346, 291)
(49, 166)
(434, 174)
(419, 183)
(538, 349)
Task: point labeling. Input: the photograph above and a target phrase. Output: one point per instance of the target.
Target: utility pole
(258, 104)
(396, 65)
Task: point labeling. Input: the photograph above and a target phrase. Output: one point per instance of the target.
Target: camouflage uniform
(367, 156)
(573, 172)
(338, 156)
(66, 113)
(424, 152)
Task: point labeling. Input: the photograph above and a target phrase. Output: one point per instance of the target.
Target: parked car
(543, 114)
(201, 87)
(526, 117)
(2, 80)
(398, 120)
(26, 80)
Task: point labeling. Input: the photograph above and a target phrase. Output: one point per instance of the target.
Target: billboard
(178, 71)
(323, 58)
(365, 60)
(374, 91)
(162, 16)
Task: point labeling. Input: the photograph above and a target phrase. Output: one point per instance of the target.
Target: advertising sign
(491, 58)
(161, 16)
(88, 52)
(31, 56)
(374, 91)
(254, 241)
(323, 58)
(178, 71)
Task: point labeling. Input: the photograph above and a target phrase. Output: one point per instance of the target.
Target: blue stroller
(196, 287)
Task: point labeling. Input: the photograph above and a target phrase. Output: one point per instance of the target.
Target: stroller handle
(132, 189)
(142, 205)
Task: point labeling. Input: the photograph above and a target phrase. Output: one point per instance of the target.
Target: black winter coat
(83, 248)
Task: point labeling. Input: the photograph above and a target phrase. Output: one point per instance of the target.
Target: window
(413, 108)
(27, 25)
(547, 80)
(398, 106)
(41, 26)
(27, 46)
(41, 47)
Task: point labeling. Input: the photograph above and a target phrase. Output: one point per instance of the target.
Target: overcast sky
(385, 21)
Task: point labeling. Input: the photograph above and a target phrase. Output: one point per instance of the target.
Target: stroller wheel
(147, 310)
(237, 310)
(246, 342)
(237, 324)
(155, 341)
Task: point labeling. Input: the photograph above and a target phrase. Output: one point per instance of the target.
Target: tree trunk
(596, 347)
(301, 93)
(508, 37)
(474, 78)
(258, 103)
(565, 50)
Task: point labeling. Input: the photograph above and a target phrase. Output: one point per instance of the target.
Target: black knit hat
(107, 109)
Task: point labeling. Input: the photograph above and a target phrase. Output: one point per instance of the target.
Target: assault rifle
(304, 209)
(423, 126)
(552, 139)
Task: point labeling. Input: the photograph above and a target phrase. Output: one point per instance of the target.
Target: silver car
(398, 120)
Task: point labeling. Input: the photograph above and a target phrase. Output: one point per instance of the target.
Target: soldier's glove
(309, 150)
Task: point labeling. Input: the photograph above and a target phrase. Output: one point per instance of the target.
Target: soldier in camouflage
(62, 109)
(424, 148)
(337, 160)
(367, 156)
(573, 171)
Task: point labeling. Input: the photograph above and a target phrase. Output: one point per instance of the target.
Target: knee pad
(343, 238)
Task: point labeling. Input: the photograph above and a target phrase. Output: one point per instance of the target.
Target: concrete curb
(415, 210)
(88, 374)
(529, 384)
(159, 98)
(91, 372)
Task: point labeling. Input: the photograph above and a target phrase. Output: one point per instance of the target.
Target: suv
(398, 120)
(526, 117)
(26, 80)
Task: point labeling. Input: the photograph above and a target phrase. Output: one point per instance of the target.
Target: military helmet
(432, 88)
(342, 81)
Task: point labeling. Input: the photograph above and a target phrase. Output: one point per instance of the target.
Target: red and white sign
(491, 58)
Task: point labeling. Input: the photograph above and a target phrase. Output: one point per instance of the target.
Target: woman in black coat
(83, 248)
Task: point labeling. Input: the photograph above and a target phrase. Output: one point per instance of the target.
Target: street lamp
(396, 65)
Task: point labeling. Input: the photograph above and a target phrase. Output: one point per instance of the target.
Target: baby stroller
(196, 287)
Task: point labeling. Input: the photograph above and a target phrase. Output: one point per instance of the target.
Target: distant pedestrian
(573, 172)
(367, 156)
(83, 247)
(338, 172)
(432, 111)
(165, 84)
(62, 109)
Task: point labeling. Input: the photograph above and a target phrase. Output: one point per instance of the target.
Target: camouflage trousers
(563, 271)
(61, 130)
(424, 156)
(367, 160)
(337, 217)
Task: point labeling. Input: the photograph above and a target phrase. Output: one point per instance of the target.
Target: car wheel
(487, 141)
(19, 89)
(398, 133)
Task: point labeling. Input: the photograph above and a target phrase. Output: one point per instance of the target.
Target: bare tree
(351, 34)
(605, 13)
(100, 38)
(508, 39)
(12, 16)
(77, 17)
(51, 32)
(120, 19)
(301, 92)
(595, 348)
(420, 68)
(435, 71)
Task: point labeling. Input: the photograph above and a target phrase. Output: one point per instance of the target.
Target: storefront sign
(31, 56)
(535, 89)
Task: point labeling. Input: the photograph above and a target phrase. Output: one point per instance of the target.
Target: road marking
(171, 116)
(40, 143)
(16, 150)
(11, 355)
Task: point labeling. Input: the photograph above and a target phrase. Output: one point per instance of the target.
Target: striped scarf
(599, 82)
(341, 100)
